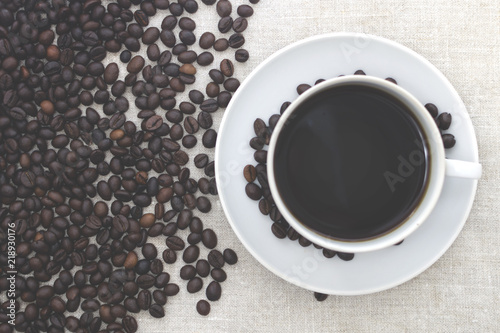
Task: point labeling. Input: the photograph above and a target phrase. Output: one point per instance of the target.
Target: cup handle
(463, 169)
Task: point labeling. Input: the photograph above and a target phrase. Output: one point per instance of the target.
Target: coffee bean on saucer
(433, 110)
(253, 191)
(345, 256)
(390, 79)
(278, 230)
(444, 120)
(304, 242)
(292, 234)
(284, 106)
(203, 307)
(250, 173)
(359, 72)
(448, 140)
(329, 253)
(301, 88)
(320, 297)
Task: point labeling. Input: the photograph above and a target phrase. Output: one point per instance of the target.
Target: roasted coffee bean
(226, 68)
(244, 10)
(205, 58)
(187, 272)
(169, 256)
(225, 24)
(205, 120)
(278, 230)
(175, 243)
(191, 254)
(236, 40)
(449, 140)
(241, 55)
(320, 297)
(218, 275)
(171, 289)
(444, 120)
(328, 253)
(203, 204)
(207, 40)
(216, 259)
(209, 138)
(253, 191)
(304, 242)
(345, 256)
(194, 285)
(213, 291)
(230, 256)
(433, 110)
(209, 238)
(203, 307)
(224, 8)
(202, 268)
(301, 88)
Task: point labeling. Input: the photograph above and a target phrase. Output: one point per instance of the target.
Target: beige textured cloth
(460, 293)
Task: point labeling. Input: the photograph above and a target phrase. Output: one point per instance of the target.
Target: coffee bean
(169, 256)
(231, 84)
(136, 64)
(203, 307)
(207, 40)
(236, 40)
(205, 58)
(320, 297)
(175, 243)
(448, 140)
(345, 256)
(244, 11)
(230, 256)
(301, 88)
(213, 291)
(209, 238)
(129, 324)
(171, 289)
(218, 275)
(433, 110)
(253, 191)
(156, 311)
(444, 120)
(141, 18)
(224, 8)
(194, 285)
(187, 272)
(202, 268)
(227, 68)
(209, 138)
(241, 55)
(216, 259)
(278, 230)
(328, 253)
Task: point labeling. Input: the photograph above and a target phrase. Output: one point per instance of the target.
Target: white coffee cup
(438, 167)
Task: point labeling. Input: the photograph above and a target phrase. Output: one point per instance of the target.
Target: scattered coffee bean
(203, 307)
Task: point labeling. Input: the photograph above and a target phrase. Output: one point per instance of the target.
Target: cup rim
(435, 178)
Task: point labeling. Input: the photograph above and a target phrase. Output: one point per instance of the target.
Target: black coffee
(351, 164)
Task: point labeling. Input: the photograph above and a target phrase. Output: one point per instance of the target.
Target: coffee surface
(350, 164)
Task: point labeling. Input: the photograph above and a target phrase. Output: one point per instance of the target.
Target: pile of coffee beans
(78, 179)
(257, 187)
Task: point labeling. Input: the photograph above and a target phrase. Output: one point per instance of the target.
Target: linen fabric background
(460, 292)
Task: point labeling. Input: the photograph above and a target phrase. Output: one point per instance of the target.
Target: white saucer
(261, 95)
